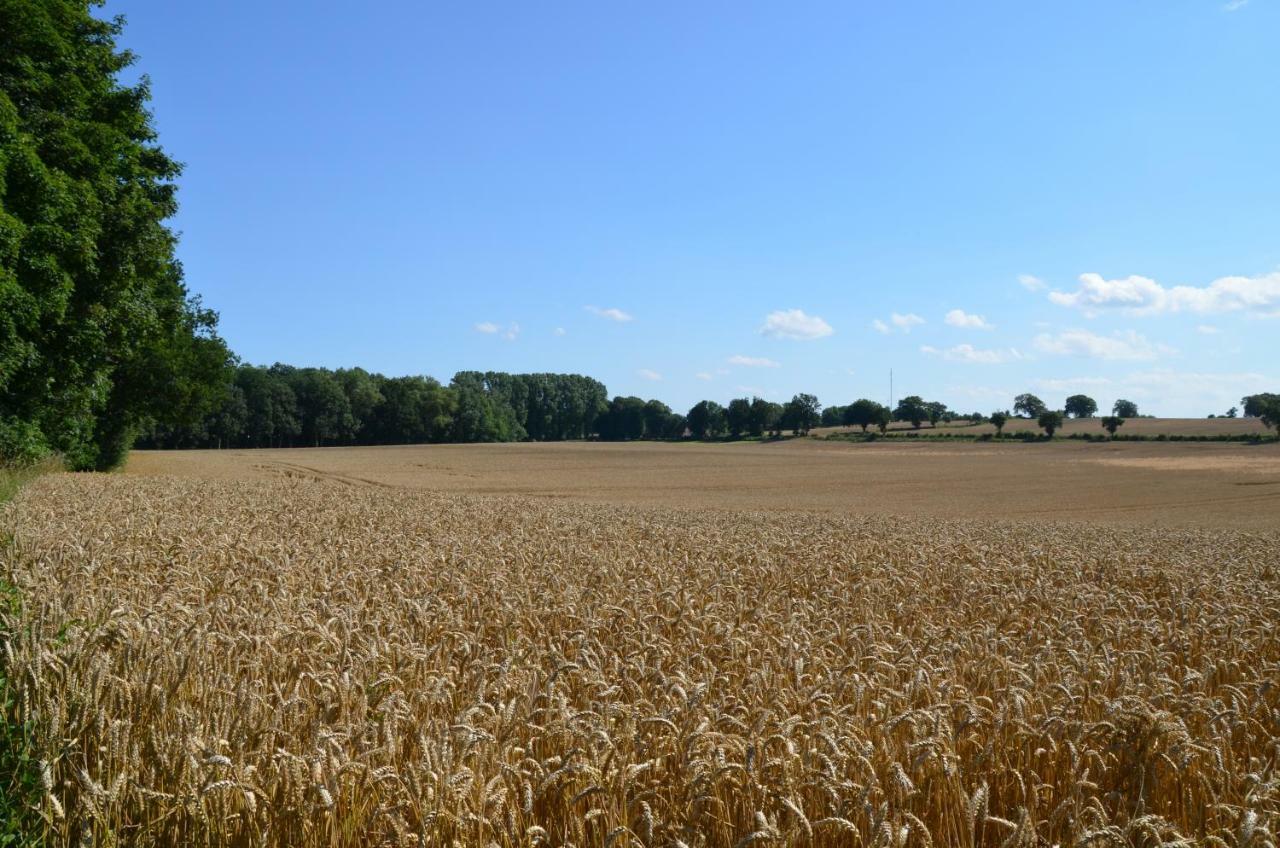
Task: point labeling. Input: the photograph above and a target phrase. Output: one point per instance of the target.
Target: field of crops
(303, 662)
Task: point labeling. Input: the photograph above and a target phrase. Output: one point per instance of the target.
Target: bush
(21, 443)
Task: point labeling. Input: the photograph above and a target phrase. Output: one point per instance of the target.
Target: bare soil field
(298, 649)
(1214, 485)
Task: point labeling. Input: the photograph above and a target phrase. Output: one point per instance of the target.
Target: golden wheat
(299, 662)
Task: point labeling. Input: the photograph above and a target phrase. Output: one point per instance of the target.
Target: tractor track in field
(294, 469)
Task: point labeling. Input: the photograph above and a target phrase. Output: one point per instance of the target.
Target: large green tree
(98, 334)
(1125, 409)
(706, 420)
(912, 408)
(1029, 405)
(861, 413)
(802, 413)
(1081, 406)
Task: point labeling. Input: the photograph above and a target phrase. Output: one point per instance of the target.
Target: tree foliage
(766, 417)
(707, 420)
(801, 414)
(998, 420)
(1270, 413)
(862, 413)
(98, 334)
(1111, 423)
(1081, 406)
(1029, 406)
(912, 408)
(1050, 421)
(1254, 405)
(283, 406)
(1125, 409)
(738, 416)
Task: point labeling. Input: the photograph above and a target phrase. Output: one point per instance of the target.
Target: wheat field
(300, 662)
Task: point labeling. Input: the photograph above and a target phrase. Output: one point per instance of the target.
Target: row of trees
(1077, 406)
(284, 406)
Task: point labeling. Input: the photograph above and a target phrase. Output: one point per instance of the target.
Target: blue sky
(706, 200)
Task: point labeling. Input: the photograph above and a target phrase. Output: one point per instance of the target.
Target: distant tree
(883, 418)
(324, 413)
(801, 414)
(1029, 406)
(1270, 413)
(1254, 405)
(912, 408)
(622, 420)
(766, 417)
(1050, 421)
(833, 416)
(418, 409)
(272, 407)
(1081, 406)
(738, 416)
(657, 420)
(1111, 423)
(937, 412)
(363, 397)
(482, 418)
(673, 426)
(1125, 409)
(227, 423)
(998, 420)
(1232, 412)
(861, 413)
(706, 420)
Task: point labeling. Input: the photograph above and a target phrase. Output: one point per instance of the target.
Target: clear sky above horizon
(718, 199)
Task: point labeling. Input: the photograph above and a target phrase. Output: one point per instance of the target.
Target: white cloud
(704, 375)
(491, 329)
(795, 324)
(1235, 5)
(752, 361)
(967, 353)
(558, 331)
(906, 322)
(1192, 392)
(1207, 329)
(1073, 384)
(1032, 283)
(983, 394)
(880, 326)
(649, 374)
(1126, 345)
(1136, 295)
(612, 314)
(960, 318)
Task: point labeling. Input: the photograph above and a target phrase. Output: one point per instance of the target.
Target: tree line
(285, 406)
